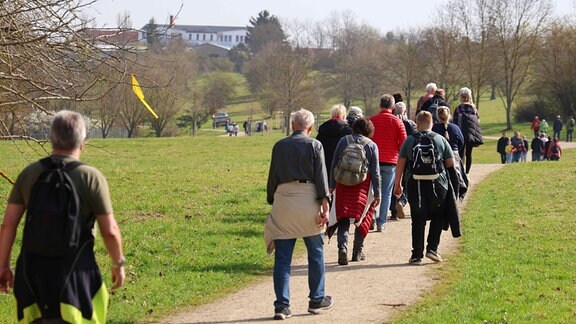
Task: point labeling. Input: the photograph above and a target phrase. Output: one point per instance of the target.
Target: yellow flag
(138, 92)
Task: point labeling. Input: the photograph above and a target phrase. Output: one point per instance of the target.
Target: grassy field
(192, 211)
(516, 261)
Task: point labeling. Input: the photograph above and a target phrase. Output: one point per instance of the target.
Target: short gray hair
(431, 87)
(303, 118)
(387, 101)
(399, 108)
(68, 130)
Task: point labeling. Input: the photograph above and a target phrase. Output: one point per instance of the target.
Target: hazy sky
(384, 15)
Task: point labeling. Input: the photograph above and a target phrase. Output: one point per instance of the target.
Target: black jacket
(501, 146)
(466, 117)
(329, 133)
(427, 104)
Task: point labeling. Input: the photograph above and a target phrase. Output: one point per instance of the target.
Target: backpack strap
(48, 163)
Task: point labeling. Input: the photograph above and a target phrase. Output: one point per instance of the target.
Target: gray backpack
(352, 168)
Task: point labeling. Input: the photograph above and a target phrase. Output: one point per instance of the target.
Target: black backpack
(425, 163)
(433, 109)
(53, 227)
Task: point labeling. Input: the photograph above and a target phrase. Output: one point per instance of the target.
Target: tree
(442, 53)
(478, 46)
(238, 55)
(263, 29)
(406, 63)
(152, 34)
(555, 76)
(218, 89)
(516, 26)
(283, 80)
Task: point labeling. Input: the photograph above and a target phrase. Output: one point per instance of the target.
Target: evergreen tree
(264, 29)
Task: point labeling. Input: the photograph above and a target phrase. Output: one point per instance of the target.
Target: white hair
(431, 87)
(303, 118)
(338, 110)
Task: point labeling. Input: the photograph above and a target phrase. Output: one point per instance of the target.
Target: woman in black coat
(331, 131)
(467, 118)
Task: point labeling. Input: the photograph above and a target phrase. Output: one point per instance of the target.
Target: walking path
(364, 292)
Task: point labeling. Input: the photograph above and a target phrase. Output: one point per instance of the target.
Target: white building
(223, 36)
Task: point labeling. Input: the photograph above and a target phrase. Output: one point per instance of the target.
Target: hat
(355, 110)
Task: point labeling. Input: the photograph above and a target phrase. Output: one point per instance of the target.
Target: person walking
(537, 147)
(389, 134)
(52, 284)
(354, 113)
(297, 189)
(467, 118)
(331, 131)
(544, 126)
(356, 203)
(427, 195)
(555, 150)
(453, 135)
(557, 126)
(501, 147)
(430, 91)
(535, 126)
(517, 147)
(397, 204)
(570, 123)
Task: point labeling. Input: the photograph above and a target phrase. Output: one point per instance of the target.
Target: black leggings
(468, 156)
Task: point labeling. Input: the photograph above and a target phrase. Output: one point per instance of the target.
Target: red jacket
(389, 134)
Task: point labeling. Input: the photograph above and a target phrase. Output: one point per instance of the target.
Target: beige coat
(294, 213)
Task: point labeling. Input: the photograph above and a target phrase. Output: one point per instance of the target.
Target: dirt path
(371, 291)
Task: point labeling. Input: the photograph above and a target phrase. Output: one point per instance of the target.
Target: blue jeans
(282, 266)
(387, 173)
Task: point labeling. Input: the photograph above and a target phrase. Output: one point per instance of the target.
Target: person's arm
(400, 166)
(12, 218)
(113, 241)
(324, 214)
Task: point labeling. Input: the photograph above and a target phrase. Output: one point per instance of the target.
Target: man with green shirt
(426, 194)
(69, 287)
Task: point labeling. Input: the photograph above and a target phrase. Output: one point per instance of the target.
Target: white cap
(355, 110)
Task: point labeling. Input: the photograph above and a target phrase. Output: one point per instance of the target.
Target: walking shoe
(434, 256)
(393, 218)
(282, 313)
(415, 260)
(379, 228)
(400, 211)
(342, 256)
(372, 225)
(358, 256)
(315, 307)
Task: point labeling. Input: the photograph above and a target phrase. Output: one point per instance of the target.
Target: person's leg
(394, 213)
(503, 158)
(343, 233)
(469, 148)
(357, 254)
(418, 215)
(435, 230)
(282, 265)
(387, 173)
(316, 270)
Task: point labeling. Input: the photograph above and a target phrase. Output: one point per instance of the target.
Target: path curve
(381, 286)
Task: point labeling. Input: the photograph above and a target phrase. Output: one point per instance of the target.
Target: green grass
(516, 260)
(191, 211)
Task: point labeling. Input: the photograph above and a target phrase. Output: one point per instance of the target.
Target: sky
(383, 15)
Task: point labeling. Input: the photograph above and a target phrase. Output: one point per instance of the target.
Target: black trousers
(427, 202)
(503, 158)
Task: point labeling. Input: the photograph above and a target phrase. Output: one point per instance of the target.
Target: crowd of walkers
(356, 170)
(543, 147)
